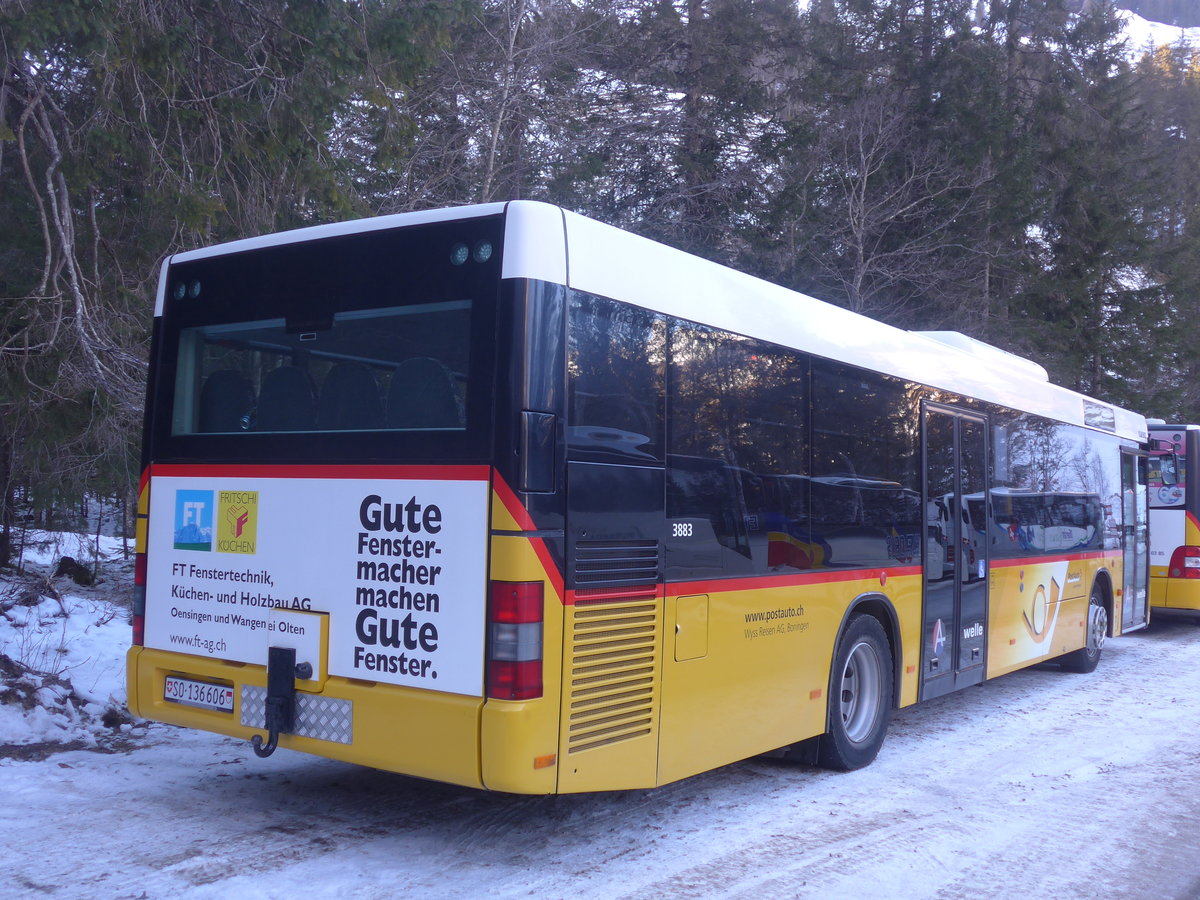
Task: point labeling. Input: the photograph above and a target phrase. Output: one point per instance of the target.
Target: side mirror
(1170, 469)
(1167, 461)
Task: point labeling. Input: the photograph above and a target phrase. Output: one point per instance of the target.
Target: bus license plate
(198, 693)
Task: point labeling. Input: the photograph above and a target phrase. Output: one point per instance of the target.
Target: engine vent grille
(614, 664)
(615, 563)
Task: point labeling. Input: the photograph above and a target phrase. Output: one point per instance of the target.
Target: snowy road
(1040, 784)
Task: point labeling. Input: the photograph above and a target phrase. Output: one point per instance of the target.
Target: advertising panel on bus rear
(398, 564)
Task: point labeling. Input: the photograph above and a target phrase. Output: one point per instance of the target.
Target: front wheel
(860, 697)
(1086, 658)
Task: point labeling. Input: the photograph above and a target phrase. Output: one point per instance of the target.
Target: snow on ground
(1037, 784)
(62, 646)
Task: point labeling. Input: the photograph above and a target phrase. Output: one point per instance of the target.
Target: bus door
(956, 550)
(1135, 540)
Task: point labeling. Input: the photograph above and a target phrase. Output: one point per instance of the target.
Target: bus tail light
(1185, 562)
(139, 599)
(514, 665)
(141, 530)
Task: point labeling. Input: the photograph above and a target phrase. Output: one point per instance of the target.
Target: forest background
(1012, 169)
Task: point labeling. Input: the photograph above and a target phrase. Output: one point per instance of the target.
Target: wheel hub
(860, 693)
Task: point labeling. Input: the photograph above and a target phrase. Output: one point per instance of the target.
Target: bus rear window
(402, 368)
(372, 345)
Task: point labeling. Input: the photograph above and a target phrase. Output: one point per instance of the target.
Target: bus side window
(615, 393)
(707, 517)
(736, 433)
(864, 467)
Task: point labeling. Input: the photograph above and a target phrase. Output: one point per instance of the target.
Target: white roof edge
(160, 298)
(984, 350)
(336, 229)
(535, 240)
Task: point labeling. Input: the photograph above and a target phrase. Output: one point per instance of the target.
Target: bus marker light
(545, 762)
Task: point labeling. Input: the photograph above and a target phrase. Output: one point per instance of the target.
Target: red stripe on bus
(512, 503)
(397, 473)
(1191, 517)
(520, 515)
(766, 582)
(757, 583)
(1036, 560)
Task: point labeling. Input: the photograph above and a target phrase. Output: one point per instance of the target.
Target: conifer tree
(132, 129)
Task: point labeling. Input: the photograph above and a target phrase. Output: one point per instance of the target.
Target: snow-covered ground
(1037, 784)
(62, 647)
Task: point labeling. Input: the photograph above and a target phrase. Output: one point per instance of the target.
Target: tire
(860, 697)
(1086, 658)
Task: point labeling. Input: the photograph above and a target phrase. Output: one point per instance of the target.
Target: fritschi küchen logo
(237, 531)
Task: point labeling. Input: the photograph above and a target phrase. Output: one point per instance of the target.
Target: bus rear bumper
(422, 733)
(1175, 593)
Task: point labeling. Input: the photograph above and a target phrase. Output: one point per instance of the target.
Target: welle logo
(234, 513)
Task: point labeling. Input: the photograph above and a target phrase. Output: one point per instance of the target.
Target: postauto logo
(235, 514)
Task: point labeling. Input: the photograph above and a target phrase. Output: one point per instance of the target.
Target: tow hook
(282, 673)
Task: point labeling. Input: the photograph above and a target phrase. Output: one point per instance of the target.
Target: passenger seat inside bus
(286, 401)
(422, 395)
(349, 398)
(225, 402)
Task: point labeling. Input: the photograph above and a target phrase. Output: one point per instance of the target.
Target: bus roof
(550, 244)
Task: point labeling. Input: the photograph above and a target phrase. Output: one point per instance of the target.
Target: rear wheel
(1086, 658)
(860, 696)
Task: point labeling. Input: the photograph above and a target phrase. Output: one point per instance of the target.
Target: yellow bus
(508, 498)
(1174, 518)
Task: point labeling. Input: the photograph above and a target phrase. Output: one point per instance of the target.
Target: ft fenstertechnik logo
(193, 520)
